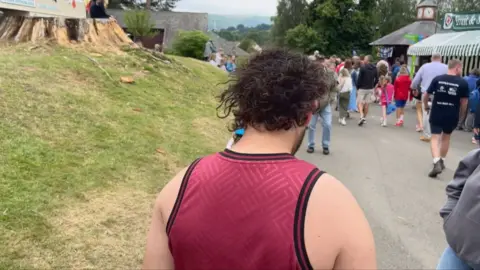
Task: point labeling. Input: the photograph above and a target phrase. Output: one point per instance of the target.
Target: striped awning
(448, 44)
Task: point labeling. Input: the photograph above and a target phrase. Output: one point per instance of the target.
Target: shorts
(400, 103)
(419, 96)
(439, 129)
(365, 96)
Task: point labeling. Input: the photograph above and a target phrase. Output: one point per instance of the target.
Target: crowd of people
(278, 201)
(359, 82)
(218, 58)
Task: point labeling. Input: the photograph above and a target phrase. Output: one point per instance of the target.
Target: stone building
(167, 24)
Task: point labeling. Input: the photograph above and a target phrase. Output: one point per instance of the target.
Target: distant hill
(225, 21)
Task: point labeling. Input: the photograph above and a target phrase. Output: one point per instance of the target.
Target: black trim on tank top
(299, 220)
(181, 193)
(255, 157)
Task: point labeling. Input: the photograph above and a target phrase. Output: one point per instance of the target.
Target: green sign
(461, 21)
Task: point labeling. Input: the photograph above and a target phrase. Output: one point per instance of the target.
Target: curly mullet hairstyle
(275, 90)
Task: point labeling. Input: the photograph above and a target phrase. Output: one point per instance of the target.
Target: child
(230, 66)
(402, 89)
(237, 135)
(386, 96)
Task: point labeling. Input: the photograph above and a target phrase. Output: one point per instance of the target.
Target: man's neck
(451, 72)
(256, 142)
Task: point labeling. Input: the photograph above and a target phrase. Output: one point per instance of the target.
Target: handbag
(390, 107)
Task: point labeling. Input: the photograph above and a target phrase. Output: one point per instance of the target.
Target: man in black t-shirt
(450, 95)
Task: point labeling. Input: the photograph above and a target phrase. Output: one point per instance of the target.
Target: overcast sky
(231, 7)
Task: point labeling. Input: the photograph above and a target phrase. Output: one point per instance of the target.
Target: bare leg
(435, 145)
(360, 109)
(384, 115)
(398, 112)
(444, 145)
(419, 114)
(365, 110)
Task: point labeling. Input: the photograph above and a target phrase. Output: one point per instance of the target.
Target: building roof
(425, 28)
(427, 3)
(449, 44)
(229, 47)
(165, 19)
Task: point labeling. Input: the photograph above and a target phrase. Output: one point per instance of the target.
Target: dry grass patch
(106, 232)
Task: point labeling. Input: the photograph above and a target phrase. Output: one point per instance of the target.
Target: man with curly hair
(257, 206)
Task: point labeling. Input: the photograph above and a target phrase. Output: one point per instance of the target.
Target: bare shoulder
(337, 234)
(168, 195)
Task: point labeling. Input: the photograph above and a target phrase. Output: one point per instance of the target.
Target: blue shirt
(472, 82)
(427, 73)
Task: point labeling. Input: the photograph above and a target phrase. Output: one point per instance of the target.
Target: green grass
(79, 163)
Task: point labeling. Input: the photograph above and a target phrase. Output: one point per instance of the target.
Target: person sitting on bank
(97, 11)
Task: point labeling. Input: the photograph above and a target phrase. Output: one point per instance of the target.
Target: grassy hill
(84, 155)
(225, 21)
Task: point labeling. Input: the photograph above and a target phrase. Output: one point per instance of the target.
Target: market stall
(463, 42)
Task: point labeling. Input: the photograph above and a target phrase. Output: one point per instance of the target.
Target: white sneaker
(343, 122)
(384, 123)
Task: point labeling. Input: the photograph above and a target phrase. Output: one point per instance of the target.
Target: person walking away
(401, 90)
(366, 82)
(257, 206)
(461, 217)
(471, 79)
(209, 49)
(474, 115)
(476, 123)
(422, 81)
(386, 97)
(352, 106)
(396, 69)
(324, 111)
(383, 68)
(345, 86)
(450, 97)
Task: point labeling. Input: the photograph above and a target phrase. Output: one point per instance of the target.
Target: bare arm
(418, 78)
(463, 107)
(425, 99)
(337, 234)
(157, 254)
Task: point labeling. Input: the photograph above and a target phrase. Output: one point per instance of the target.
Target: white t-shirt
(213, 63)
(218, 58)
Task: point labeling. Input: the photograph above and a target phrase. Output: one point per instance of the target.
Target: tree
(290, 13)
(139, 23)
(304, 38)
(394, 14)
(246, 45)
(343, 24)
(227, 35)
(190, 44)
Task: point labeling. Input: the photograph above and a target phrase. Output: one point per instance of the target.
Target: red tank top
(242, 211)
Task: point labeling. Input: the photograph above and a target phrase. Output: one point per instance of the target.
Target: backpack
(473, 100)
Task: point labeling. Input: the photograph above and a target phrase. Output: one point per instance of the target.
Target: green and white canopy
(449, 44)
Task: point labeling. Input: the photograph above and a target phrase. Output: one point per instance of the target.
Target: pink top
(389, 89)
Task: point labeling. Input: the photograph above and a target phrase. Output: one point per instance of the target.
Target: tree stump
(97, 32)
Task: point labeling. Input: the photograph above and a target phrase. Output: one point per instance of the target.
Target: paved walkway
(386, 170)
